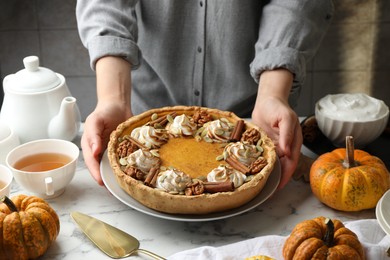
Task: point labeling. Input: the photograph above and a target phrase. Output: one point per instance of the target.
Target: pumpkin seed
(223, 119)
(225, 155)
(155, 153)
(157, 126)
(198, 138)
(122, 161)
(219, 157)
(259, 148)
(219, 131)
(249, 178)
(154, 116)
(170, 118)
(204, 133)
(260, 142)
(202, 178)
(247, 153)
(199, 131)
(207, 139)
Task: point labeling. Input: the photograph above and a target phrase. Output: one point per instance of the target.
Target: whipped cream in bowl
(353, 114)
(357, 107)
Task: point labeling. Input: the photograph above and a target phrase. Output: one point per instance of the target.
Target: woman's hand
(113, 91)
(273, 114)
(97, 129)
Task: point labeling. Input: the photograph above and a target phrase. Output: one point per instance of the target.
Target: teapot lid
(33, 78)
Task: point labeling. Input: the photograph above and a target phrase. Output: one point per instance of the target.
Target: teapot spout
(66, 124)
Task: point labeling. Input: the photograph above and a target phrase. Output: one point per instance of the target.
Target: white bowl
(6, 178)
(357, 115)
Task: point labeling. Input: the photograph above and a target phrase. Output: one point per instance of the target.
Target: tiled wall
(354, 54)
(353, 57)
(48, 29)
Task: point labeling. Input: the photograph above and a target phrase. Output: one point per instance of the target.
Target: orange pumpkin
(28, 226)
(348, 179)
(322, 238)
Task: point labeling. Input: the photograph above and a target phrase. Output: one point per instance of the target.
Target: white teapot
(8, 141)
(37, 104)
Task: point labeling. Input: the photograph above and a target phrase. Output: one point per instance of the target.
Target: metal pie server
(111, 240)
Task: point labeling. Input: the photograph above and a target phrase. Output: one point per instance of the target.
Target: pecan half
(258, 165)
(134, 172)
(251, 136)
(201, 117)
(125, 148)
(194, 188)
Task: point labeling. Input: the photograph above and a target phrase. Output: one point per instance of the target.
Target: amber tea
(42, 162)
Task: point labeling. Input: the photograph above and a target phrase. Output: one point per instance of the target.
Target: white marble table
(278, 215)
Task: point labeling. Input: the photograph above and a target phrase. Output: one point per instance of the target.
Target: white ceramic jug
(38, 104)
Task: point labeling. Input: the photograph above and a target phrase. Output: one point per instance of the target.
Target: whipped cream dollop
(352, 107)
(182, 126)
(245, 152)
(144, 160)
(173, 181)
(225, 173)
(150, 136)
(219, 130)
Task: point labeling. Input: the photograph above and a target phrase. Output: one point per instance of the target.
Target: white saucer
(112, 185)
(382, 212)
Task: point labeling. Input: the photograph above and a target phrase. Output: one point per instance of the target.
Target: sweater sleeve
(290, 34)
(108, 28)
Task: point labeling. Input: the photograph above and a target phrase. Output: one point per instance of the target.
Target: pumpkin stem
(349, 161)
(9, 203)
(329, 234)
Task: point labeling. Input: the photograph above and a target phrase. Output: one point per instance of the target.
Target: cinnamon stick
(236, 164)
(237, 131)
(213, 187)
(161, 120)
(152, 177)
(137, 143)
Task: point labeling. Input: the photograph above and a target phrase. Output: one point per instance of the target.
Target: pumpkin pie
(190, 160)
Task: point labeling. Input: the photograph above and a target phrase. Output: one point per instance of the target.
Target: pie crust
(183, 204)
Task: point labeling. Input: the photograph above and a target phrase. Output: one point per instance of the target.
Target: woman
(248, 57)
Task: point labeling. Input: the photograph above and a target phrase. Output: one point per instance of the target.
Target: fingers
(92, 152)
(288, 129)
(290, 162)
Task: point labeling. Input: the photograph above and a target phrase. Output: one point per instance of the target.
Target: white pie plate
(112, 185)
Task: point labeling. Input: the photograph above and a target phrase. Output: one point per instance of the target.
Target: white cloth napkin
(370, 234)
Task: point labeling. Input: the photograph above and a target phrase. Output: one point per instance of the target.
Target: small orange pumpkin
(28, 226)
(349, 179)
(322, 238)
